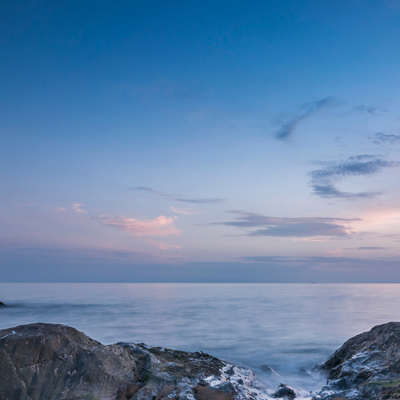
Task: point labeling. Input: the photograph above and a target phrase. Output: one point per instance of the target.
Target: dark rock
(367, 366)
(56, 362)
(270, 372)
(2, 304)
(285, 392)
(43, 361)
(206, 393)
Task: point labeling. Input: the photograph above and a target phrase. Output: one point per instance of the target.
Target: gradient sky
(200, 141)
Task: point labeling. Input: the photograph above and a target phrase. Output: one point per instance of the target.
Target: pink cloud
(160, 226)
(78, 208)
(184, 211)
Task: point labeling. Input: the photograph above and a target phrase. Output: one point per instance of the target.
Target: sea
(288, 328)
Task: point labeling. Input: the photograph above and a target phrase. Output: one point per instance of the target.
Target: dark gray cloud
(163, 196)
(287, 129)
(322, 180)
(383, 138)
(329, 191)
(351, 167)
(291, 227)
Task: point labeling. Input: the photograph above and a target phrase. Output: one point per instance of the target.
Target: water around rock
(54, 362)
(51, 362)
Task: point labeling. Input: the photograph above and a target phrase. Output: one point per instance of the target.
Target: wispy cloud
(329, 191)
(184, 211)
(322, 180)
(373, 110)
(78, 208)
(394, 236)
(201, 201)
(160, 226)
(151, 191)
(162, 246)
(373, 248)
(166, 196)
(287, 129)
(301, 260)
(307, 227)
(383, 138)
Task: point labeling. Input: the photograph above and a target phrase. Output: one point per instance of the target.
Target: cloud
(184, 211)
(392, 236)
(160, 226)
(306, 227)
(383, 138)
(363, 165)
(162, 246)
(374, 110)
(354, 166)
(61, 209)
(329, 191)
(151, 191)
(166, 196)
(201, 201)
(287, 129)
(301, 260)
(78, 208)
(372, 248)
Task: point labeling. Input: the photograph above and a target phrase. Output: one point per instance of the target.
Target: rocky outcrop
(56, 362)
(285, 392)
(367, 366)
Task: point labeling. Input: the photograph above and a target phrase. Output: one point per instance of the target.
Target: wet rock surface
(51, 362)
(56, 362)
(285, 392)
(367, 366)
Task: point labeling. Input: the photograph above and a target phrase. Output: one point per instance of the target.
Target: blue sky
(187, 141)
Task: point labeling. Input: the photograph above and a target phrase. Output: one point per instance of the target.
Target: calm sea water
(285, 326)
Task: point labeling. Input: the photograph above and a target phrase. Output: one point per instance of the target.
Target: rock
(270, 372)
(43, 361)
(2, 304)
(56, 362)
(285, 392)
(367, 366)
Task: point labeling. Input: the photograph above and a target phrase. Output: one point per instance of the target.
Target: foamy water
(288, 327)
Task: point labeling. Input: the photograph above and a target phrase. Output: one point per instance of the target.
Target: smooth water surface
(285, 326)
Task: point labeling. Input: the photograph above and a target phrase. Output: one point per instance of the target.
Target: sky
(188, 141)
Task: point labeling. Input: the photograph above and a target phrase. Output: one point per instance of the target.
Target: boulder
(367, 366)
(43, 361)
(2, 304)
(285, 392)
(56, 362)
